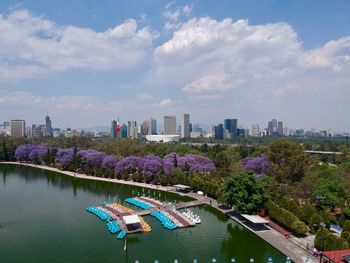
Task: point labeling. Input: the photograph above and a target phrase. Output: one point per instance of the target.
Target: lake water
(43, 219)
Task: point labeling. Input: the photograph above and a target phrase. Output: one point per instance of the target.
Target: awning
(255, 219)
(335, 228)
(132, 219)
(181, 186)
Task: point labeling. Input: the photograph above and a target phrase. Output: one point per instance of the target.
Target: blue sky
(87, 62)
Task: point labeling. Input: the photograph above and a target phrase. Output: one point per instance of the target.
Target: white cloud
(173, 13)
(144, 97)
(209, 83)
(262, 68)
(187, 9)
(32, 45)
(171, 26)
(165, 102)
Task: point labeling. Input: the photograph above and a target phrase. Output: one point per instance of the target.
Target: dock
(128, 221)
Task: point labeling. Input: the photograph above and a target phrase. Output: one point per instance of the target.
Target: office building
(114, 132)
(169, 125)
(255, 130)
(18, 128)
(124, 131)
(153, 126)
(48, 124)
(219, 132)
(272, 128)
(185, 126)
(38, 131)
(132, 129)
(280, 128)
(230, 128)
(5, 128)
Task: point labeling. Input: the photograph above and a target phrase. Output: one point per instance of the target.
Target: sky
(87, 62)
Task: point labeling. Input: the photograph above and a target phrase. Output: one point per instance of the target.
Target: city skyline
(88, 64)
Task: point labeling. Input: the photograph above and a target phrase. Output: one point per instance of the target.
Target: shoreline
(169, 189)
(275, 241)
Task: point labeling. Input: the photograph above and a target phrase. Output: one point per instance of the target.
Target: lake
(43, 219)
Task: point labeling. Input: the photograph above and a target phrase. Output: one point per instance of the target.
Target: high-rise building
(272, 128)
(153, 126)
(255, 131)
(146, 127)
(38, 131)
(185, 126)
(5, 128)
(219, 132)
(280, 128)
(18, 128)
(114, 133)
(132, 129)
(48, 124)
(230, 128)
(169, 125)
(124, 131)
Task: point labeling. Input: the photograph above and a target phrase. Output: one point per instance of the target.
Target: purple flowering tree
(38, 154)
(23, 151)
(128, 165)
(196, 163)
(109, 162)
(259, 165)
(150, 166)
(65, 157)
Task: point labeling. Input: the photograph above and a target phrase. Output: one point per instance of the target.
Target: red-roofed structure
(337, 256)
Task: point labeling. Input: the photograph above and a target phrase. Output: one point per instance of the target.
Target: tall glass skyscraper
(230, 126)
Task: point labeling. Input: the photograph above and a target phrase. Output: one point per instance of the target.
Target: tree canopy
(245, 193)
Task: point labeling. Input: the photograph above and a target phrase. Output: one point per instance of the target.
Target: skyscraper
(230, 128)
(153, 126)
(132, 129)
(114, 133)
(185, 126)
(124, 131)
(48, 126)
(169, 125)
(275, 128)
(255, 132)
(18, 128)
(219, 132)
(280, 128)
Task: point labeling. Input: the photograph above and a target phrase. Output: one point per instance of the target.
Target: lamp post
(233, 260)
(269, 260)
(251, 260)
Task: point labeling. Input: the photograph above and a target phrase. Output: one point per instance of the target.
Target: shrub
(299, 228)
(325, 240)
(314, 222)
(346, 226)
(286, 218)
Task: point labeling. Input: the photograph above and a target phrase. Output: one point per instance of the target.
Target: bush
(325, 240)
(286, 218)
(314, 222)
(346, 226)
(346, 236)
(299, 228)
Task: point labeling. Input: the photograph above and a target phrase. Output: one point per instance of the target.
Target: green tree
(245, 193)
(329, 194)
(288, 160)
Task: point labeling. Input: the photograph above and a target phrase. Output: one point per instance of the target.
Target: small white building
(163, 138)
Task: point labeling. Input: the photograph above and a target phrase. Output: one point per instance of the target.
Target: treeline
(195, 170)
